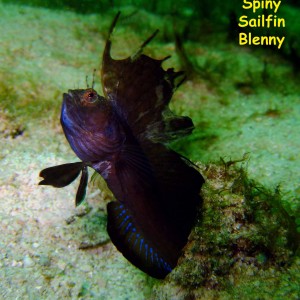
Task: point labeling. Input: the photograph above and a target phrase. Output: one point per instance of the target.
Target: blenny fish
(123, 136)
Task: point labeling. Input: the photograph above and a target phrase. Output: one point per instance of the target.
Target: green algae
(243, 242)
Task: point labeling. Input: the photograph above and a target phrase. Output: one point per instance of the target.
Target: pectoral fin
(62, 175)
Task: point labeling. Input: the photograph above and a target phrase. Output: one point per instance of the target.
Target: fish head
(82, 98)
(84, 108)
(90, 124)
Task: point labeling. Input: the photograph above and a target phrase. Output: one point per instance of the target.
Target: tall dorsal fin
(140, 90)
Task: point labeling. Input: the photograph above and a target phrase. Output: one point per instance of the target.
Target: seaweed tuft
(243, 234)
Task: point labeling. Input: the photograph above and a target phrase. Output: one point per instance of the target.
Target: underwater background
(244, 101)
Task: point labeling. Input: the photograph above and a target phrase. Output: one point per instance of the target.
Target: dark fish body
(122, 136)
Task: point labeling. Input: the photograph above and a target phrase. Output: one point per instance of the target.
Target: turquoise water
(243, 99)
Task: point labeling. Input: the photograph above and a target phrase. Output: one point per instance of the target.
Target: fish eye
(89, 97)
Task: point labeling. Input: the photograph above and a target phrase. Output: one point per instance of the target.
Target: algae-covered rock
(242, 238)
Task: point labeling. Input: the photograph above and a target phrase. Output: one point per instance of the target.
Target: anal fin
(131, 242)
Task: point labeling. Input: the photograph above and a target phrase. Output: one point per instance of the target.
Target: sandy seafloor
(43, 53)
